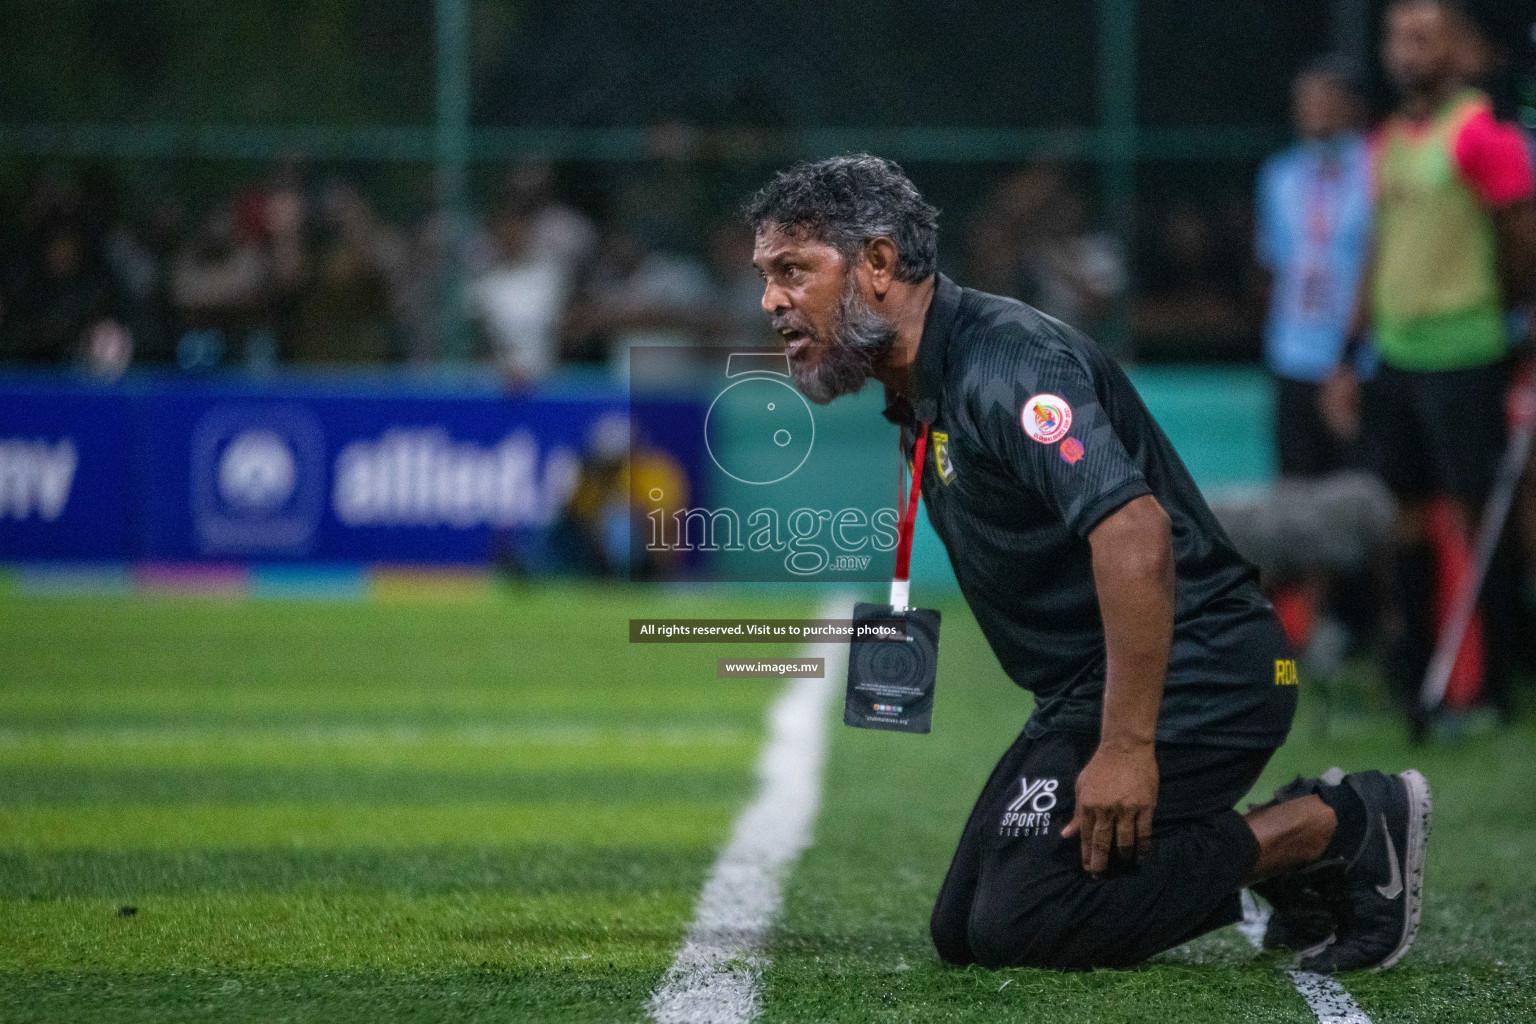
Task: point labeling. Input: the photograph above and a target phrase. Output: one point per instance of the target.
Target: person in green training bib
(1454, 245)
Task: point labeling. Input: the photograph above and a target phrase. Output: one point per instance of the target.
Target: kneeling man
(1161, 677)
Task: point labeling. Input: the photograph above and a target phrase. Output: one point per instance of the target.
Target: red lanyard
(908, 522)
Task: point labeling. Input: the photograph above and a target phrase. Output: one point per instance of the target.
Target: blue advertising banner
(65, 479)
(181, 472)
(275, 476)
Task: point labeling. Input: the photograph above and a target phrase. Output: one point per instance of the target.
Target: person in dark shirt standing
(1163, 684)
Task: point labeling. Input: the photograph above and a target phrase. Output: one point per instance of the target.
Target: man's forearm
(1133, 572)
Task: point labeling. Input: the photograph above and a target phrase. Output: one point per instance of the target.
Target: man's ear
(880, 264)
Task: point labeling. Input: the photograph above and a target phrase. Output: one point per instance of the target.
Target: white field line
(713, 979)
(1328, 1000)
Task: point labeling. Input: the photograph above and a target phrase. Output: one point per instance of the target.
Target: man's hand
(1116, 794)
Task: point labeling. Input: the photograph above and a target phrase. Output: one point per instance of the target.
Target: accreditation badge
(891, 682)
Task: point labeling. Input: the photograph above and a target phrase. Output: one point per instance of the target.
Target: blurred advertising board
(295, 471)
(65, 473)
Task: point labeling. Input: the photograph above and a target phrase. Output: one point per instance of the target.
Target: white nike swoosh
(1394, 887)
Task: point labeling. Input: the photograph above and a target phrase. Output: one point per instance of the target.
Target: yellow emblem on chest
(941, 460)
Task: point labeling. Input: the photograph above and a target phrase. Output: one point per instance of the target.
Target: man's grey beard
(858, 340)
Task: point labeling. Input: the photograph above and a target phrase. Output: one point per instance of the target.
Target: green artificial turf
(501, 810)
(493, 810)
(853, 943)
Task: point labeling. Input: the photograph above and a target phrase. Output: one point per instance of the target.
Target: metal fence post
(452, 152)
(1351, 34)
(1117, 155)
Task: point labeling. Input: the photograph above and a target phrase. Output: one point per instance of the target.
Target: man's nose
(773, 299)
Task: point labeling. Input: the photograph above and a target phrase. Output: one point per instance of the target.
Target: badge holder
(891, 682)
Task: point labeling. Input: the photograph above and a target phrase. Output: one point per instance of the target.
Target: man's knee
(997, 945)
(999, 938)
(948, 928)
(1060, 931)
(1027, 945)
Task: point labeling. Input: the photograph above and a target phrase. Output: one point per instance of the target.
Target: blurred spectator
(60, 291)
(636, 297)
(139, 276)
(1193, 297)
(419, 303)
(1032, 241)
(738, 291)
(607, 528)
(662, 200)
(518, 299)
(1074, 274)
(145, 260)
(284, 216)
(1314, 221)
(218, 287)
(346, 311)
(57, 284)
(556, 233)
(280, 272)
(1002, 232)
(1196, 293)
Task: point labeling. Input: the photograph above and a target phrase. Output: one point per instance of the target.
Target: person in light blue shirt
(1314, 228)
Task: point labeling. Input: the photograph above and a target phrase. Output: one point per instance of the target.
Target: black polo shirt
(1037, 437)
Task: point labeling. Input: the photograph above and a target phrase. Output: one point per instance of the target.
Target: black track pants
(1016, 894)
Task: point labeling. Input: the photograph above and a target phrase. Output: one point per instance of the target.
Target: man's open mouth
(796, 342)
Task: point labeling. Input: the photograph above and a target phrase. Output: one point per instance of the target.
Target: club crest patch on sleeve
(1071, 451)
(1046, 418)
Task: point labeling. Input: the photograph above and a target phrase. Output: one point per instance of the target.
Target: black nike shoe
(1301, 919)
(1377, 902)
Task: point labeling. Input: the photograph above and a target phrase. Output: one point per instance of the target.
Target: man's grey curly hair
(847, 201)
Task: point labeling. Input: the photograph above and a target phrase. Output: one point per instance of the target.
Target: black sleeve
(1036, 408)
